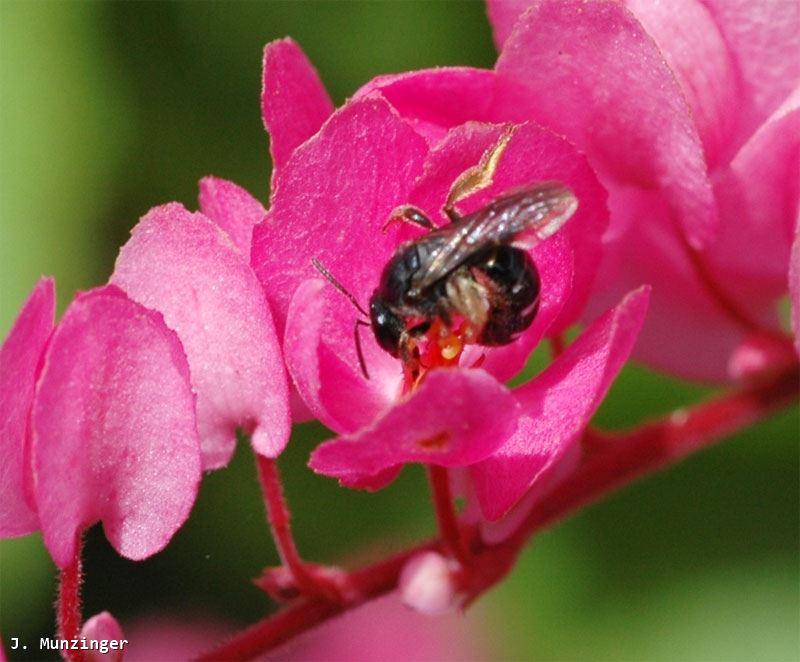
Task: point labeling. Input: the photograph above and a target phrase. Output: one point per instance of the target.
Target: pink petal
(455, 418)
(373, 482)
(331, 201)
(435, 100)
(461, 148)
(691, 43)
(557, 406)
(590, 72)
(687, 332)
(233, 209)
(182, 265)
(758, 199)
(763, 37)
(503, 14)
(103, 627)
(294, 103)
(329, 382)
(237, 212)
(19, 359)
(115, 436)
(794, 286)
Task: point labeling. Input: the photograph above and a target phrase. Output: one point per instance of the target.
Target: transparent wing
(523, 217)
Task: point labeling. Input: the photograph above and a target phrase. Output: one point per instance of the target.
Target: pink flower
(714, 177)
(102, 632)
(100, 425)
(334, 186)
(112, 416)
(184, 266)
(19, 360)
(688, 113)
(734, 66)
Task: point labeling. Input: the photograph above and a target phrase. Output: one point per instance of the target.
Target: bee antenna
(332, 280)
(360, 353)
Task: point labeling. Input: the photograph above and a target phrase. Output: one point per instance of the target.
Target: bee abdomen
(513, 289)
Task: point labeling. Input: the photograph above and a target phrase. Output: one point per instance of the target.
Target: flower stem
(279, 519)
(271, 632)
(449, 530)
(609, 462)
(68, 606)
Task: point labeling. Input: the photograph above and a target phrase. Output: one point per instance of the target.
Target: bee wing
(523, 217)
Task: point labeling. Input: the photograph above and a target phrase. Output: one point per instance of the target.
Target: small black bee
(472, 268)
(472, 277)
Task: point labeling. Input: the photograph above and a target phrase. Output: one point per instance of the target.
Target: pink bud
(759, 355)
(428, 584)
(104, 638)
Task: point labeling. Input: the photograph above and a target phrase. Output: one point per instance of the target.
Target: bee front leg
(478, 177)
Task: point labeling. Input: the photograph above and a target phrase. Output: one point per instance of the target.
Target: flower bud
(428, 584)
(104, 638)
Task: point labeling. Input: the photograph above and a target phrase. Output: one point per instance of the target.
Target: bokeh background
(107, 109)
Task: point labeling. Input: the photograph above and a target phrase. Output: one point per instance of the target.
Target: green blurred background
(109, 109)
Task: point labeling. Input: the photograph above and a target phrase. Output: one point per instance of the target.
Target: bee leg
(409, 214)
(478, 177)
(443, 309)
(359, 351)
(409, 357)
(409, 351)
(452, 213)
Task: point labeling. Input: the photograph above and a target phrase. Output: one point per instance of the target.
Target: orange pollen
(441, 347)
(450, 347)
(444, 345)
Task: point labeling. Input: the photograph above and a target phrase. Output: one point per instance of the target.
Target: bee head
(386, 325)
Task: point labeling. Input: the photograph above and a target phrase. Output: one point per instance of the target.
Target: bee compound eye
(386, 326)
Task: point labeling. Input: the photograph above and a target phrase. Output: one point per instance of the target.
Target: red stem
(449, 529)
(621, 458)
(68, 606)
(279, 520)
(267, 634)
(610, 462)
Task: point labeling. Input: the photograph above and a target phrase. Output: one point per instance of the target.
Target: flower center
(440, 347)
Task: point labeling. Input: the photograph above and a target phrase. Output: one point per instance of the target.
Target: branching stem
(279, 518)
(609, 462)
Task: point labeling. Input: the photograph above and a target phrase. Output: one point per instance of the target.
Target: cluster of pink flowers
(675, 125)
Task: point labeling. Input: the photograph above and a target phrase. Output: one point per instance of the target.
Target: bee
(471, 281)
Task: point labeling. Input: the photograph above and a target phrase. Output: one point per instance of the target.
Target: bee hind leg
(477, 177)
